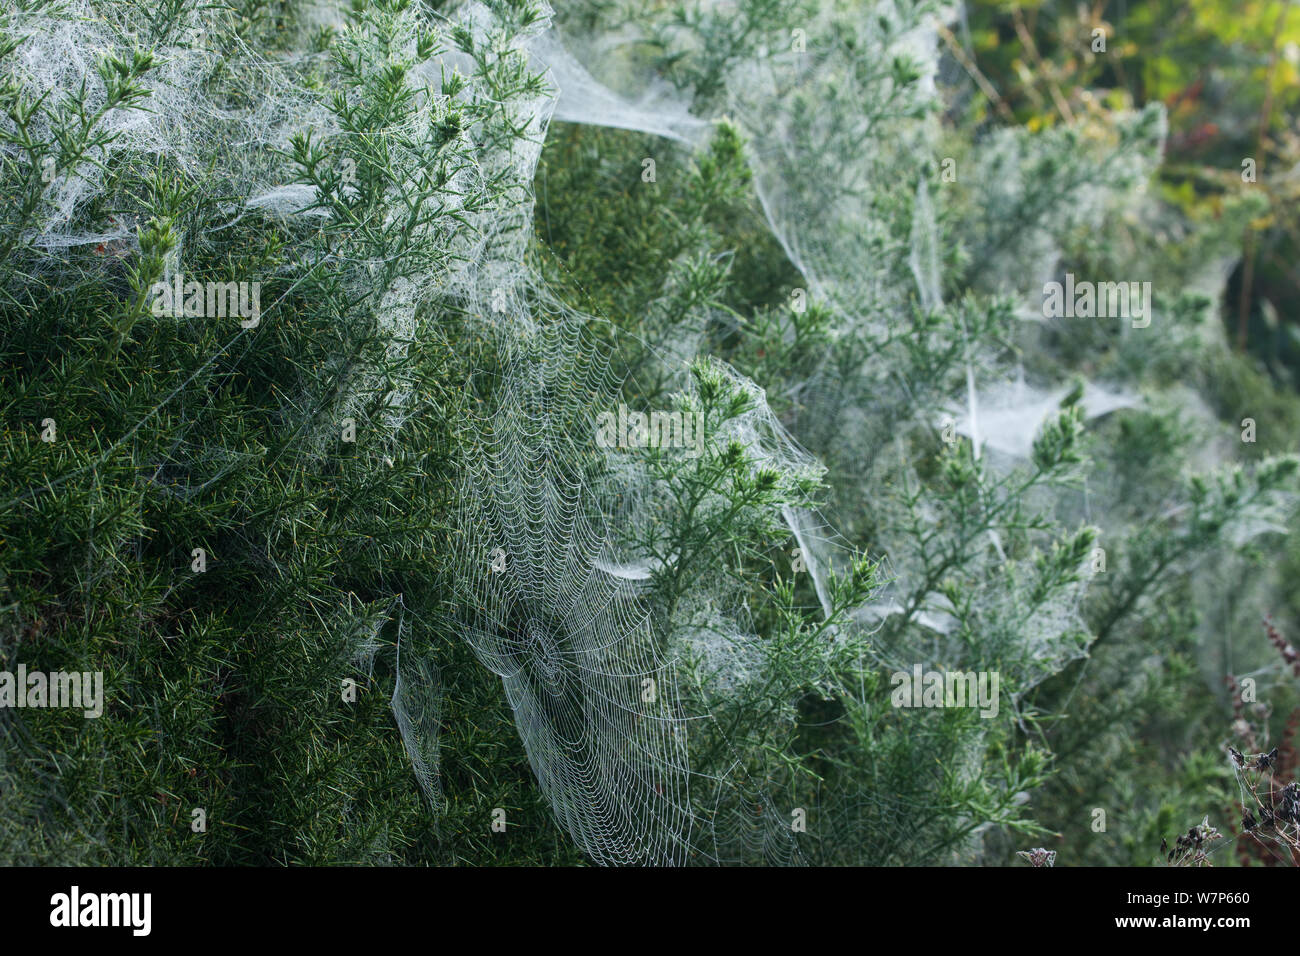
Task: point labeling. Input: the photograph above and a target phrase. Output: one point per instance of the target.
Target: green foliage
(239, 523)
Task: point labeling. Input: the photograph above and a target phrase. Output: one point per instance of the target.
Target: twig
(1027, 41)
(980, 79)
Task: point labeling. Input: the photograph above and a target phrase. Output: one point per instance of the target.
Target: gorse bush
(456, 438)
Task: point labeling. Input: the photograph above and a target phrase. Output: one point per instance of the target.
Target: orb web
(594, 696)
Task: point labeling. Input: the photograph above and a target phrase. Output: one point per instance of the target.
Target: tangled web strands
(583, 100)
(831, 116)
(822, 164)
(417, 708)
(198, 94)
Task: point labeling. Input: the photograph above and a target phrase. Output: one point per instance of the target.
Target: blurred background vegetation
(1228, 74)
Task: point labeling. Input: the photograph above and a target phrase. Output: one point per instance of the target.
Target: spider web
(594, 697)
